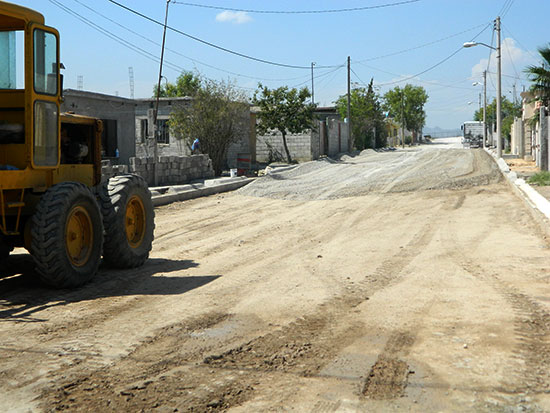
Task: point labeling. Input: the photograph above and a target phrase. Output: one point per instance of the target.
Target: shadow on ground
(22, 294)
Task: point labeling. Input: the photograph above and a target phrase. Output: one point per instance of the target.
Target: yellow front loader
(52, 201)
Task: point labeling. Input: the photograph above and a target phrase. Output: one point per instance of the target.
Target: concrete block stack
(108, 170)
(173, 170)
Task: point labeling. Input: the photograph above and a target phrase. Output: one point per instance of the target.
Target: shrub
(540, 178)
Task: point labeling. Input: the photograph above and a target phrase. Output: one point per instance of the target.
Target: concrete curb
(167, 195)
(538, 206)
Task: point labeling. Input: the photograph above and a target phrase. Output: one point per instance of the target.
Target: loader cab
(30, 90)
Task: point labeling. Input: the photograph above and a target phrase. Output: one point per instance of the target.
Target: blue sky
(371, 37)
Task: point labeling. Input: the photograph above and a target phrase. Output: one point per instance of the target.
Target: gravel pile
(400, 171)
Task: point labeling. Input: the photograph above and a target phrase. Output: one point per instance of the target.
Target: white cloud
(237, 17)
(514, 60)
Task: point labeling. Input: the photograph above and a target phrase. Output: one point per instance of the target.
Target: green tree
(509, 111)
(284, 110)
(217, 112)
(367, 117)
(540, 75)
(406, 106)
(187, 84)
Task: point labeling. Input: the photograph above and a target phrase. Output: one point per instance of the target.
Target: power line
(424, 45)
(516, 39)
(506, 8)
(122, 41)
(512, 61)
(180, 54)
(321, 75)
(435, 65)
(419, 80)
(379, 6)
(357, 76)
(245, 56)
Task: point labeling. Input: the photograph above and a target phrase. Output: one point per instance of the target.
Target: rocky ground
(412, 280)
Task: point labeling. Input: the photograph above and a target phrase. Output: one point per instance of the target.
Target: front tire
(129, 221)
(67, 235)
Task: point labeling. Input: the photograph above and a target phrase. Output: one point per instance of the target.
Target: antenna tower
(131, 75)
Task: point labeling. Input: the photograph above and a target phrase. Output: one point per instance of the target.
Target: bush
(540, 178)
(408, 140)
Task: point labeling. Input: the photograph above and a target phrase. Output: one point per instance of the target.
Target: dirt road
(408, 280)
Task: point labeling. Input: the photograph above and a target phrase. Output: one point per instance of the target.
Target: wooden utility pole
(499, 90)
(155, 114)
(403, 118)
(349, 105)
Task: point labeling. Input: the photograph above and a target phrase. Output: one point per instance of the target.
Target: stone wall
(172, 170)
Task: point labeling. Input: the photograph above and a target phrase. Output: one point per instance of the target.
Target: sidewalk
(163, 195)
(532, 195)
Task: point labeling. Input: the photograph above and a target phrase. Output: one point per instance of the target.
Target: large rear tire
(67, 235)
(129, 221)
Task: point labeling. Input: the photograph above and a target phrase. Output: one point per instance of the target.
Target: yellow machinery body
(37, 142)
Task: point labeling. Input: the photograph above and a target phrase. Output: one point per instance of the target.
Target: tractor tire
(67, 235)
(129, 221)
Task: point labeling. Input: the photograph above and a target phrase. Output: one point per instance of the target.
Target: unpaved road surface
(410, 280)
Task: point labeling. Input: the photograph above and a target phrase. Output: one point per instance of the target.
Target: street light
(499, 83)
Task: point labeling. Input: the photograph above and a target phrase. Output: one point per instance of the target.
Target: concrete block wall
(108, 170)
(172, 170)
(299, 146)
(337, 135)
(176, 148)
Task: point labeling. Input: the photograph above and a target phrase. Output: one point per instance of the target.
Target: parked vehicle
(52, 200)
(472, 134)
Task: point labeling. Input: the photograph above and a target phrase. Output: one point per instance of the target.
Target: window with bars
(163, 135)
(143, 130)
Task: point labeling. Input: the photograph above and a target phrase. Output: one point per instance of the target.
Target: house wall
(174, 147)
(105, 107)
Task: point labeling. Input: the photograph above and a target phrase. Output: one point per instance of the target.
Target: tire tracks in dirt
(531, 329)
(208, 380)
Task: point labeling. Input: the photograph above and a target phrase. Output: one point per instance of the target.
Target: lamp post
(499, 83)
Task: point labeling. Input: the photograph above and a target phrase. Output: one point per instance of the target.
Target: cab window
(12, 59)
(45, 62)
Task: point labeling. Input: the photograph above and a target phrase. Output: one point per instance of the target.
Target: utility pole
(484, 108)
(312, 92)
(155, 114)
(403, 118)
(349, 104)
(499, 90)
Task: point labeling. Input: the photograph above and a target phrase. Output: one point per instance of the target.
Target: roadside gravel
(386, 172)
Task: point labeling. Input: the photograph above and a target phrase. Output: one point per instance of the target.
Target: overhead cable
(424, 45)
(245, 56)
(122, 41)
(181, 54)
(351, 9)
(435, 65)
